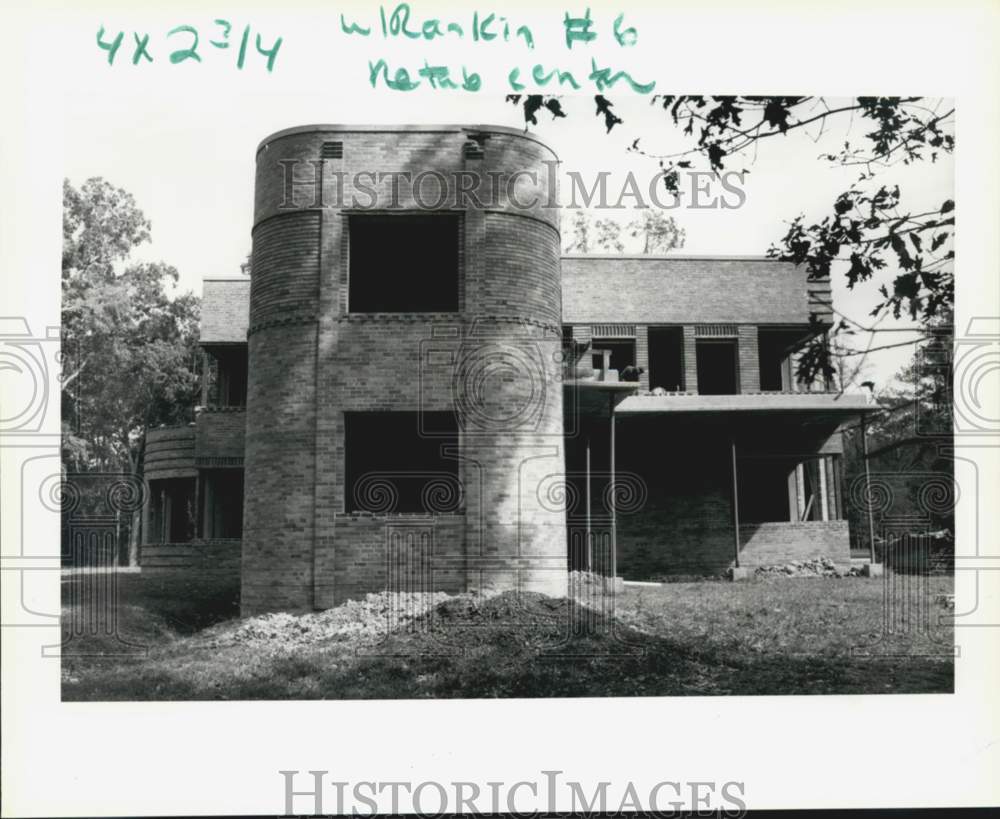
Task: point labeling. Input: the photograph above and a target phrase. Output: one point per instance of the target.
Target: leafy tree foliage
(129, 346)
(650, 232)
(909, 436)
(868, 230)
(916, 407)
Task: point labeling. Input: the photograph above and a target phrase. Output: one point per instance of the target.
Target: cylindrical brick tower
(404, 407)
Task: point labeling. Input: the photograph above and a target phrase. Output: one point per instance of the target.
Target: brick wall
(225, 311)
(690, 360)
(281, 416)
(208, 569)
(765, 544)
(749, 358)
(685, 525)
(642, 354)
(220, 434)
(170, 453)
(372, 553)
(311, 361)
(677, 289)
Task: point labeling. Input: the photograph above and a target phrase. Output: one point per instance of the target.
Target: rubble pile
(448, 621)
(812, 567)
(361, 621)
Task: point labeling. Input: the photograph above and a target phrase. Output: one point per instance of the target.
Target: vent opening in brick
(332, 150)
(403, 263)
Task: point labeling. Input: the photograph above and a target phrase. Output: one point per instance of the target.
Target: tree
(609, 236)
(657, 232)
(129, 346)
(909, 437)
(869, 230)
(652, 232)
(579, 233)
(916, 407)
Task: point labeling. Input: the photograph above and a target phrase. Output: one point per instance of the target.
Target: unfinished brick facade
(301, 371)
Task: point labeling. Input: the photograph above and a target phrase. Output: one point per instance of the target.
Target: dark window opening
(718, 372)
(812, 487)
(790, 488)
(172, 511)
(403, 263)
(776, 356)
(763, 489)
(567, 336)
(771, 347)
(392, 465)
(774, 347)
(222, 503)
(666, 358)
(622, 353)
(228, 386)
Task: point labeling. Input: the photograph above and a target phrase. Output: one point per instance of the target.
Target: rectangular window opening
(718, 372)
(392, 465)
(228, 388)
(403, 263)
(172, 511)
(666, 358)
(622, 354)
(222, 503)
(763, 489)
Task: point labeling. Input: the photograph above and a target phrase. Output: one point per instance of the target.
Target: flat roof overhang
(812, 403)
(596, 397)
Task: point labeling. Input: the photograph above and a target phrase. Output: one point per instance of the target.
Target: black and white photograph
(501, 375)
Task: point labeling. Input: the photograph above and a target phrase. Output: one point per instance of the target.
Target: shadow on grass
(506, 646)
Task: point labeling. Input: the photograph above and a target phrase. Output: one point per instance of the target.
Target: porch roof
(762, 402)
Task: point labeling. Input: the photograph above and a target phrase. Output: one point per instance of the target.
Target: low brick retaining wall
(768, 544)
(201, 566)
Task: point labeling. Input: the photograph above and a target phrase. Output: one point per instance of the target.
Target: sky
(188, 160)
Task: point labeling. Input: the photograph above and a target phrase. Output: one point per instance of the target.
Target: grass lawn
(770, 636)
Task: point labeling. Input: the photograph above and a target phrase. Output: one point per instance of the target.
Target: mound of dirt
(361, 621)
(459, 621)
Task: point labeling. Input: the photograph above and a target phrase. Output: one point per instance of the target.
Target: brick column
(690, 360)
(583, 337)
(749, 358)
(642, 354)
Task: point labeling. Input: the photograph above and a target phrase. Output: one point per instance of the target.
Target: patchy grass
(773, 636)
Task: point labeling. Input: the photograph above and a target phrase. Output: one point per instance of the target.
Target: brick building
(414, 397)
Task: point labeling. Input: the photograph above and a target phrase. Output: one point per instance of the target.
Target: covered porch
(678, 485)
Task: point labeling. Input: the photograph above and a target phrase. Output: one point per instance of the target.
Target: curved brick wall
(281, 415)
(170, 453)
(310, 361)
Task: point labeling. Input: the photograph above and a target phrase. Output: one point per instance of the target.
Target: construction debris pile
(813, 567)
(362, 621)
